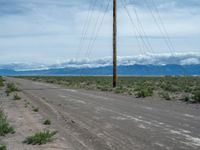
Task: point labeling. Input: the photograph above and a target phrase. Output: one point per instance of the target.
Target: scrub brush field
(168, 88)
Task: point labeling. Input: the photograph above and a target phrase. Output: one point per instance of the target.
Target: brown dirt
(26, 122)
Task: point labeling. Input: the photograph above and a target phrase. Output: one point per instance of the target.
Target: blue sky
(50, 31)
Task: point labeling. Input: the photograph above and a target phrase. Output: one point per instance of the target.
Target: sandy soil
(89, 120)
(26, 122)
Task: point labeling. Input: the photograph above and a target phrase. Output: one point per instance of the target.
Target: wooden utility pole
(114, 43)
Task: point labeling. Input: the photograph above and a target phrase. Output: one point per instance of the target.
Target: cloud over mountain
(154, 59)
(149, 59)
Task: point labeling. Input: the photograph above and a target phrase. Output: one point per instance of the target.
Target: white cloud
(190, 61)
(49, 30)
(149, 59)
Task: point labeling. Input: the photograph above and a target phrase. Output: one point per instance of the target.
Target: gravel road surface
(90, 120)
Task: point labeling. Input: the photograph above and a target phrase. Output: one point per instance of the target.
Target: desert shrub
(1, 82)
(186, 99)
(11, 88)
(104, 88)
(188, 89)
(35, 109)
(171, 85)
(40, 138)
(120, 89)
(196, 96)
(5, 128)
(47, 122)
(165, 95)
(16, 97)
(144, 92)
(3, 147)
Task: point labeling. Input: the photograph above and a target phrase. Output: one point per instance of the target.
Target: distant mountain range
(135, 70)
(161, 64)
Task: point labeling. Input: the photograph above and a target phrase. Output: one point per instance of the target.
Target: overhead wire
(86, 27)
(142, 30)
(98, 28)
(147, 42)
(135, 26)
(164, 31)
(160, 27)
(140, 33)
(141, 37)
(141, 46)
(163, 25)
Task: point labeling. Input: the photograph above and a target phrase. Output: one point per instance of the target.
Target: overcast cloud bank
(47, 30)
(149, 59)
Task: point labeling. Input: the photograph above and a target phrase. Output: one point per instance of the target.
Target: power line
(98, 29)
(160, 27)
(143, 32)
(94, 31)
(135, 26)
(163, 25)
(86, 26)
(163, 31)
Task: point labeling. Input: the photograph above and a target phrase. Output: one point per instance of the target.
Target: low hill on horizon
(131, 70)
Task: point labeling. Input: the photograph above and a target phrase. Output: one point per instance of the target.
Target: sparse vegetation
(5, 128)
(165, 96)
(35, 109)
(144, 92)
(26, 103)
(47, 122)
(2, 147)
(40, 138)
(11, 88)
(1, 81)
(16, 97)
(169, 88)
(196, 96)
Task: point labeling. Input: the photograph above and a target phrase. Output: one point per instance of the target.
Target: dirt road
(89, 120)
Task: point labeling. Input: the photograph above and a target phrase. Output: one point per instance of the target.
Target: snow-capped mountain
(152, 63)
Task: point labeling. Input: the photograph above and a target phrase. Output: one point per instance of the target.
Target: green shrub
(144, 92)
(5, 128)
(16, 97)
(1, 82)
(186, 99)
(3, 147)
(165, 95)
(196, 97)
(177, 86)
(120, 89)
(36, 109)
(47, 122)
(40, 138)
(11, 88)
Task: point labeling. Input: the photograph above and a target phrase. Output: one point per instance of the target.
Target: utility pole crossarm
(114, 43)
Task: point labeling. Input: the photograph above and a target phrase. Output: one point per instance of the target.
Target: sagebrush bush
(196, 96)
(47, 122)
(35, 109)
(144, 92)
(16, 97)
(3, 147)
(176, 86)
(40, 138)
(1, 82)
(5, 128)
(11, 88)
(165, 95)
(186, 99)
